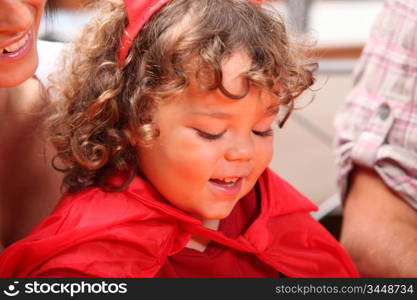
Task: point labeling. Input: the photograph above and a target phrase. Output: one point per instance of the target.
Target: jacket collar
(277, 198)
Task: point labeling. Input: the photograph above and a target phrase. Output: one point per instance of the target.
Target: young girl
(165, 131)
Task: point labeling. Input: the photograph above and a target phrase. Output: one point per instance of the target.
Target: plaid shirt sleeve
(376, 126)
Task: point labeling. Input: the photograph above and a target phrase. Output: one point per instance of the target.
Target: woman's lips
(227, 188)
(17, 50)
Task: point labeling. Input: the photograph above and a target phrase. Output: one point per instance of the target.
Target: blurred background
(303, 149)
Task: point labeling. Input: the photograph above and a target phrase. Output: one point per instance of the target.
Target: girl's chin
(213, 215)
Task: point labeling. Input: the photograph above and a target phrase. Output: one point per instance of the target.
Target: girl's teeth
(16, 46)
(227, 180)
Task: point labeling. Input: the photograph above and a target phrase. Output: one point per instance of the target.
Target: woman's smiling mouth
(17, 49)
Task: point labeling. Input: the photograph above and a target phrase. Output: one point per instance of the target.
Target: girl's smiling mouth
(229, 186)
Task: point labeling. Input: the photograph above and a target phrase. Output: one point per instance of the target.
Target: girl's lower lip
(20, 53)
(228, 190)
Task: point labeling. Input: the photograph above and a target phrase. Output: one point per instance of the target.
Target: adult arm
(379, 228)
(30, 187)
(376, 129)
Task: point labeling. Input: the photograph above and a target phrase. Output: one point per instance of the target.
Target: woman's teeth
(15, 46)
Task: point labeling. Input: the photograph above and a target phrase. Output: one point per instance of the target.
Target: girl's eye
(209, 136)
(265, 133)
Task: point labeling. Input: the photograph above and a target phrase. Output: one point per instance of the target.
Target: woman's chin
(14, 73)
(16, 77)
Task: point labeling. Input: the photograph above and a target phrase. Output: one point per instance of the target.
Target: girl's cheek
(265, 151)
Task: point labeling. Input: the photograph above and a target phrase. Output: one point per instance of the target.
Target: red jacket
(131, 233)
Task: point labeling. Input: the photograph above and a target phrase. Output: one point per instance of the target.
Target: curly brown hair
(98, 102)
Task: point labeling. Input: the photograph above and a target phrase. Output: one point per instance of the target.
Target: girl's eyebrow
(270, 111)
(217, 115)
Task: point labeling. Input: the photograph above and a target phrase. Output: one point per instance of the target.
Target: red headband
(138, 13)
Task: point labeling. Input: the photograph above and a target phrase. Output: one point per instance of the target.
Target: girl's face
(211, 149)
(19, 23)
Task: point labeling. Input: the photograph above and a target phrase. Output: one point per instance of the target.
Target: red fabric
(138, 13)
(132, 232)
(218, 260)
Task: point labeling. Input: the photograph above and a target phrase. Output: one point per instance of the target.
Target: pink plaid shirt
(377, 124)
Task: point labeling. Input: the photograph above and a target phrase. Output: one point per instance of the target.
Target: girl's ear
(130, 137)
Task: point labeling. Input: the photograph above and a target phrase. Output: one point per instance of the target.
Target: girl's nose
(15, 17)
(242, 149)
